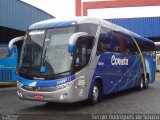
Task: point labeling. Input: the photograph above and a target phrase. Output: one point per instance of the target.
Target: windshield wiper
(63, 72)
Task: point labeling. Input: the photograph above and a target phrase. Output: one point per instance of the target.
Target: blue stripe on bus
(45, 83)
(43, 25)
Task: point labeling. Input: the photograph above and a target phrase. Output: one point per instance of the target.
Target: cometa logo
(119, 61)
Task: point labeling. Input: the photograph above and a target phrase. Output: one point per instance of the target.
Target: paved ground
(131, 101)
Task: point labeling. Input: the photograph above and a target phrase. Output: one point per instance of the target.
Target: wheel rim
(95, 93)
(146, 82)
(142, 83)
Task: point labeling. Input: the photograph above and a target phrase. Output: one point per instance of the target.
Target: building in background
(15, 18)
(139, 16)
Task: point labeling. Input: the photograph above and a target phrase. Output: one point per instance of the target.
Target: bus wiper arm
(63, 72)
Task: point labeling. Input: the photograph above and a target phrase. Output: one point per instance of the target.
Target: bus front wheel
(96, 94)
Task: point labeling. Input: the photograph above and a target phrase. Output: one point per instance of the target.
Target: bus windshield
(3, 51)
(45, 52)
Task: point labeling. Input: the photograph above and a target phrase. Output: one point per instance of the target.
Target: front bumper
(65, 95)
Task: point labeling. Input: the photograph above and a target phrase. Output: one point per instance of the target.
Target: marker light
(19, 94)
(63, 96)
(19, 84)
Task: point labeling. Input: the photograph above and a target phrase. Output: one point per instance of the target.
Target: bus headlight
(65, 85)
(19, 84)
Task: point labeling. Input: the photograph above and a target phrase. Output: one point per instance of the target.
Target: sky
(66, 9)
(57, 8)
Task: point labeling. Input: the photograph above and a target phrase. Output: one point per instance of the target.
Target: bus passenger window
(84, 47)
(3, 51)
(78, 56)
(130, 45)
(120, 46)
(115, 47)
(104, 42)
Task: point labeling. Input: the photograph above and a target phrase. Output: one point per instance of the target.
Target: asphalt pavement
(129, 101)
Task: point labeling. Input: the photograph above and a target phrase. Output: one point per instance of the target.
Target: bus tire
(96, 94)
(141, 86)
(146, 83)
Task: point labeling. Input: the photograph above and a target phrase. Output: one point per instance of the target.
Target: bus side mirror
(73, 39)
(11, 44)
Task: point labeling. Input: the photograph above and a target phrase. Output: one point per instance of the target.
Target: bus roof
(52, 23)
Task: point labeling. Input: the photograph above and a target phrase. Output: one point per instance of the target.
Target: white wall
(58, 8)
(66, 8)
(125, 12)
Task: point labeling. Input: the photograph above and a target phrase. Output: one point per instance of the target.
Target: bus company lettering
(119, 61)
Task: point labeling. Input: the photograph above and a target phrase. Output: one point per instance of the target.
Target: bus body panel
(54, 96)
(78, 91)
(118, 77)
(158, 61)
(118, 71)
(150, 67)
(82, 86)
(8, 68)
(48, 89)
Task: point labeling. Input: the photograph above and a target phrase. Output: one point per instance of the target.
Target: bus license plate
(38, 96)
